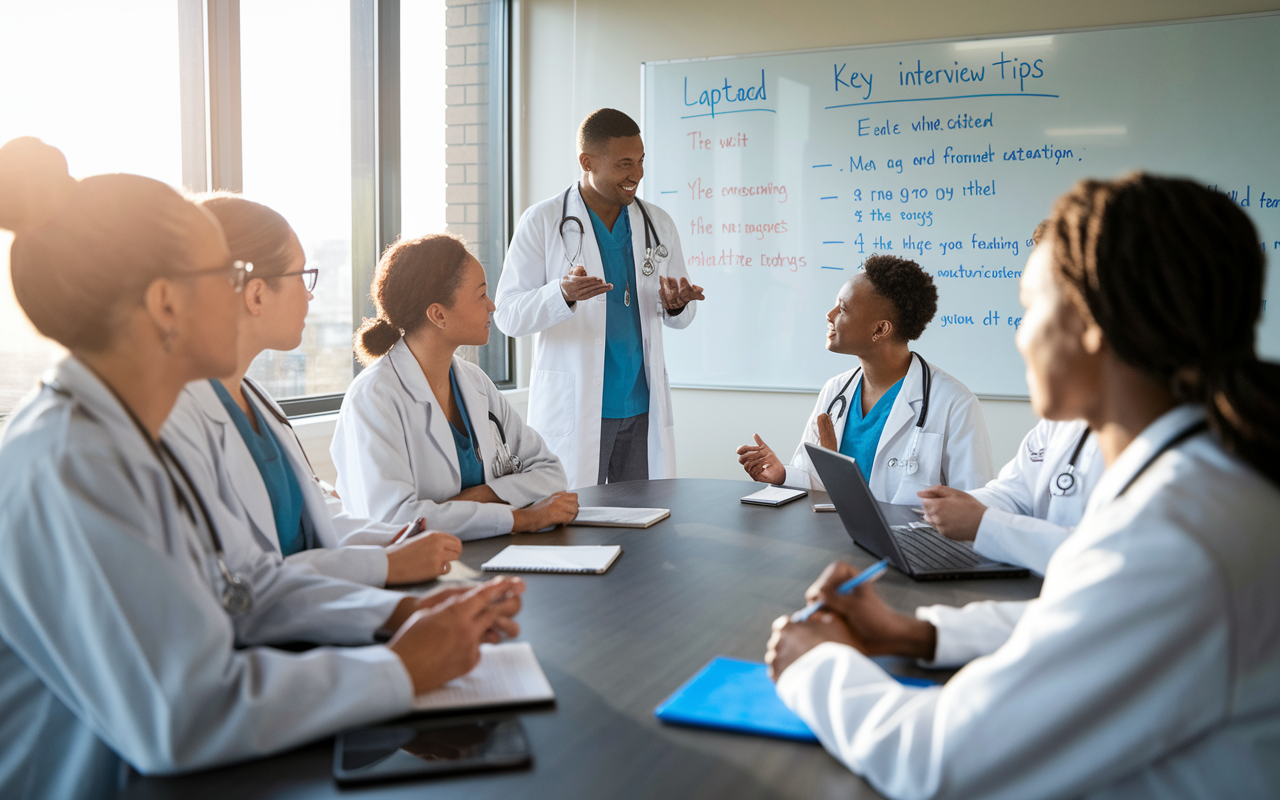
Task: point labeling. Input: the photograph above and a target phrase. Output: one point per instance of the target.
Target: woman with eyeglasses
(132, 633)
(424, 433)
(1149, 667)
(236, 435)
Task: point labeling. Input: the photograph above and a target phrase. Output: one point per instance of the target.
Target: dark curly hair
(909, 288)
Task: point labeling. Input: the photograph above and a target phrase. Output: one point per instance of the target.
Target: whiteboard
(783, 172)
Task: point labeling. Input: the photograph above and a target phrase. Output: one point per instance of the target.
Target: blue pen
(845, 588)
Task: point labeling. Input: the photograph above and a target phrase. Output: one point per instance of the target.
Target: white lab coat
(1148, 667)
(397, 460)
(200, 429)
(113, 643)
(1024, 521)
(566, 390)
(954, 448)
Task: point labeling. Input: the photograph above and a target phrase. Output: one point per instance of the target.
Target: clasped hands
(675, 294)
(438, 636)
(860, 619)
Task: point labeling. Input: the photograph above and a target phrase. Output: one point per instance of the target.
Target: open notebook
(508, 674)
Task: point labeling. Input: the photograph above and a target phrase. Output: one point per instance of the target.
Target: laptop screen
(855, 504)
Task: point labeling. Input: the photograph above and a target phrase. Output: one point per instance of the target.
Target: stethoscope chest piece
(647, 267)
(1064, 483)
(237, 598)
(909, 465)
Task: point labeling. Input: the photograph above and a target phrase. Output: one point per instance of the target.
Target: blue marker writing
(845, 588)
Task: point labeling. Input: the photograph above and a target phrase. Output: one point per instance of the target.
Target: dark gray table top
(707, 581)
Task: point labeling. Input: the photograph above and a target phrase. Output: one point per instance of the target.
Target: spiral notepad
(589, 559)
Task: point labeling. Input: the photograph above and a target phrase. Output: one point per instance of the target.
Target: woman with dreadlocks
(1150, 664)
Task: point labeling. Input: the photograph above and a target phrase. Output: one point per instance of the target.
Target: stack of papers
(508, 674)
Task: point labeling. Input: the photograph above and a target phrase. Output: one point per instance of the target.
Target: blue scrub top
(287, 502)
(626, 389)
(862, 434)
(464, 441)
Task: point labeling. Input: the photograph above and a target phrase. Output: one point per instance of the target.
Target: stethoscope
(504, 461)
(1194, 430)
(1064, 483)
(283, 420)
(237, 595)
(654, 249)
(911, 464)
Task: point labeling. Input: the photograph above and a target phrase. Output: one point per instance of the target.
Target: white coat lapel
(313, 500)
(905, 406)
(476, 400)
(590, 247)
(242, 472)
(645, 290)
(415, 385)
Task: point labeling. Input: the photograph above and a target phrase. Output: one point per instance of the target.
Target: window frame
(209, 75)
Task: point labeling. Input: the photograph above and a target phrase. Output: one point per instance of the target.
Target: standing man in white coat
(593, 273)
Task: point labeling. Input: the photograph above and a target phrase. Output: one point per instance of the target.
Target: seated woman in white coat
(423, 433)
(908, 424)
(1031, 508)
(131, 632)
(1149, 667)
(238, 434)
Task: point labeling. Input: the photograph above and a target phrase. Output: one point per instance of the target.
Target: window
(296, 143)
(453, 138)
(102, 87)
(356, 119)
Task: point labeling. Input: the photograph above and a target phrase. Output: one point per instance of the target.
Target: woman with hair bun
(1149, 667)
(131, 631)
(423, 433)
(241, 438)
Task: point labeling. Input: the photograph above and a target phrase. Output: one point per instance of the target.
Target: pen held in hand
(845, 588)
(412, 529)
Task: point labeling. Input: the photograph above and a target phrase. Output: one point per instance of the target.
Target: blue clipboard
(731, 694)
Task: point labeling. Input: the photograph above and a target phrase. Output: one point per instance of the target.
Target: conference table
(708, 581)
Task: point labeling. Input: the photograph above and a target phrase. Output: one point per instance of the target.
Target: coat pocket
(553, 402)
(928, 469)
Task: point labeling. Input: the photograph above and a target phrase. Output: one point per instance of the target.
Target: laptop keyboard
(926, 549)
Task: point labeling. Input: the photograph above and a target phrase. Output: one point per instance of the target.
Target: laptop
(894, 532)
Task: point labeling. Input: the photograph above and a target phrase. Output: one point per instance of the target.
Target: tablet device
(419, 748)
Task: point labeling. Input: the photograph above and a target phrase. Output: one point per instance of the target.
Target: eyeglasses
(237, 273)
(309, 277)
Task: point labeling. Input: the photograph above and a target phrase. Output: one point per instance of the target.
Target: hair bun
(34, 183)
